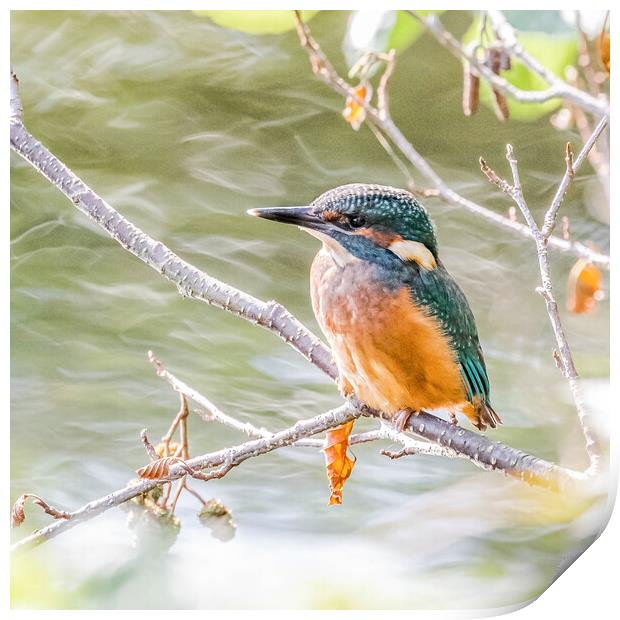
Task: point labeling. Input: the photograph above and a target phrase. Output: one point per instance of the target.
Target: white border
(588, 589)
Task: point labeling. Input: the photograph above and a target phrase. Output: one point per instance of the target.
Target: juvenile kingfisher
(402, 334)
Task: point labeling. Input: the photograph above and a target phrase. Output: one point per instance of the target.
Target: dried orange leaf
(338, 464)
(354, 112)
(18, 515)
(583, 289)
(603, 45)
(157, 469)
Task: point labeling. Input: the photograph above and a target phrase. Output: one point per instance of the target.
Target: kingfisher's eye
(357, 221)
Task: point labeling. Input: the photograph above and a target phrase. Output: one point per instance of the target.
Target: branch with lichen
(437, 436)
(380, 118)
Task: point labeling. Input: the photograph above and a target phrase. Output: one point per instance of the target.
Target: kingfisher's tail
(487, 415)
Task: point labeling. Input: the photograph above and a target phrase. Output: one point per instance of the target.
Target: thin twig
(177, 493)
(572, 165)
(213, 412)
(495, 178)
(195, 493)
(18, 515)
(382, 91)
(382, 140)
(182, 414)
(150, 450)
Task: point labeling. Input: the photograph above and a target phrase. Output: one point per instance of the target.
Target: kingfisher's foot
(401, 418)
(453, 419)
(345, 387)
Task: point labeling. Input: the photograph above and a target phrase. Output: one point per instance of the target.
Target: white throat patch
(338, 254)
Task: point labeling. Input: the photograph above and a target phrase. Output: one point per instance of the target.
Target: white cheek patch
(414, 251)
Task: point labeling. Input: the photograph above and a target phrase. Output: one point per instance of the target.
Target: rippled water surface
(182, 126)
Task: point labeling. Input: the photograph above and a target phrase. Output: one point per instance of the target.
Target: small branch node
(396, 454)
(569, 158)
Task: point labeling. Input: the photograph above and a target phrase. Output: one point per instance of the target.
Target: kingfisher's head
(369, 222)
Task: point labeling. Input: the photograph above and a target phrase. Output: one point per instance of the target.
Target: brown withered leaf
(584, 285)
(156, 470)
(338, 464)
(18, 515)
(353, 112)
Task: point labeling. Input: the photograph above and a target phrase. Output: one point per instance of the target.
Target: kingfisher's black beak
(299, 216)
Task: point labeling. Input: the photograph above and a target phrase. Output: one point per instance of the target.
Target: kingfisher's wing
(437, 292)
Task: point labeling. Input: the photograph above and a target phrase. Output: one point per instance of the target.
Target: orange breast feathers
(392, 354)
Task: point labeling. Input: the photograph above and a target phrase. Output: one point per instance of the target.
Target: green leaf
(407, 30)
(555, 51)
(256, 22)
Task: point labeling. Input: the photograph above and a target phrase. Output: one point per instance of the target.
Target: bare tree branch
(323, 69)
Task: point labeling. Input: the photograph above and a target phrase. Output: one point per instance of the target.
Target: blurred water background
(182, 125)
